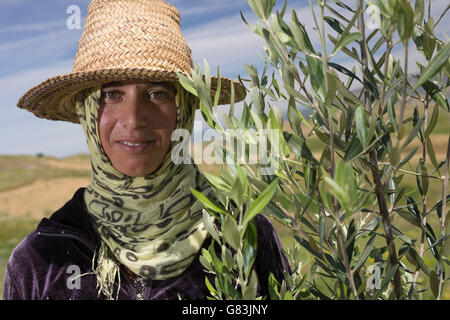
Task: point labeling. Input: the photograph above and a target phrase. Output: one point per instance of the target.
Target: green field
(12, 231)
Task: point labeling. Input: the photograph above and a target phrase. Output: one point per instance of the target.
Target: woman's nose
(132, 115)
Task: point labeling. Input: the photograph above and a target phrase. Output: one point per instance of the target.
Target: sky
(36, 44)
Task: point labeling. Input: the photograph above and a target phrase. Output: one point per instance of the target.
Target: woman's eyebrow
(167, 85)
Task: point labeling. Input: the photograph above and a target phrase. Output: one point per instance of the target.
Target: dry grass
(40, 198)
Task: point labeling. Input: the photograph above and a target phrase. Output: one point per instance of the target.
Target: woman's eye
(111, 94)
(159, 96)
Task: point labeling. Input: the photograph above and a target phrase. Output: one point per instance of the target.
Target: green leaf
(243, 18)
(331, 89)
(408, 217)
(231, 232)
(394, 156)
(209, 204)
(203, 91)
(321, 227)
(275, 212)
(437, 95)
(376, 66)
(238, 191)
(431, 238)
(372, 84)
(295, 117)
(428, 40)
(249, 292)
(391, 116)
(338, 192)
(361, 125)
(206, 115)
(187, 84)
(424, 176)
(256, 99)
(260, 202)
(413, 133)
(431, 154)
(227, 257)
(412, 208)
(316, 77)
(257, 120)
(344, 174)
(434, 283)
(299, 147)
(250, 247)
(419, 11)
(300, 35)
(253, 73)
(372, 128)
(345, 40)
(256, 9)
(438, 206)
(218, 88)
(273, 287)
(296, 94)
(210, 287)
(209, 225)
(267, 6)
(335, 24)
(434, 66)
(276, 114)
(350, 240)
(372, 225)
(367, 250)
(207, 73)
(346, 93)
(418, 260)
(284, 38)
(354, 149)
(344, 70)
(408, 157)
(217, 182)
(406, 22)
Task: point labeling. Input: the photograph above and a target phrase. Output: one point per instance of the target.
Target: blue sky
(35, 44)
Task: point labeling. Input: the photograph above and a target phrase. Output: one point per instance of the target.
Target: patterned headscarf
(153, 224)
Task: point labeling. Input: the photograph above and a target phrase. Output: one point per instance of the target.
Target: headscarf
(153, 225)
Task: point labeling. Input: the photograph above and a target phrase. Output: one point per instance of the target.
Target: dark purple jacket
(43, 265)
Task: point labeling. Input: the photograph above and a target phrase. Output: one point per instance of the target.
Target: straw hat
(121, 40)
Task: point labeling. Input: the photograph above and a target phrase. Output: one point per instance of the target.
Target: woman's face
(136, 121)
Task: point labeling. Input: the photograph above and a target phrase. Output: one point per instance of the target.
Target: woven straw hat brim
(54, 98)
(121, 40)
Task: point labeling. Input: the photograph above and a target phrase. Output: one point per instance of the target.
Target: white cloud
(12, 2)
(40, 26)
(230, 43)
(16, 84)
(202, 7)
(54, 40)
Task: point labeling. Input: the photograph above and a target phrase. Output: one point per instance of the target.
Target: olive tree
(357, 212)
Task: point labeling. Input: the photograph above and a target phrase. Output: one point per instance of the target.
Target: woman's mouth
(135, 147)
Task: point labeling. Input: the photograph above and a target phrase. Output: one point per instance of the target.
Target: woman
(136, 231)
